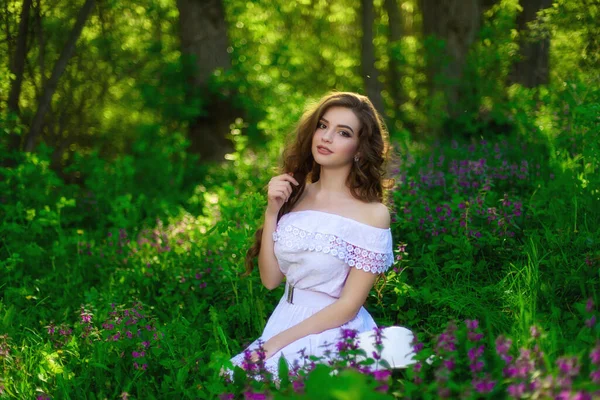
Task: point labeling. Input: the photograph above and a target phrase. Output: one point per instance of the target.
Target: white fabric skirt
(304, 304)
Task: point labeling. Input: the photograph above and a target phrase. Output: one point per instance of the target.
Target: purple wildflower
(483, 385)
(516, 390)
(503, 346)
(581, 396)
(86, 317)
(298, 386)
(589, 305)
(476, 366)
(595, 354)
(248, 363)
(254, 396)
(475, 352)
(534, 331)
(568, 366)
(449, 364)
(382, 375)
(472, 324)
(136, 354)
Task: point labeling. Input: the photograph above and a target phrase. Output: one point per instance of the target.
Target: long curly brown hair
(366, 179)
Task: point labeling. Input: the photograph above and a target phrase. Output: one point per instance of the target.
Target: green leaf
(283, 372)
(104, 367)
(8, 316)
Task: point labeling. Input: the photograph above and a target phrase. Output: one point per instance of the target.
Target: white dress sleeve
(358, 245)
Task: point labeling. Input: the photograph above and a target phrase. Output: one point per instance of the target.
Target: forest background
(137, 138)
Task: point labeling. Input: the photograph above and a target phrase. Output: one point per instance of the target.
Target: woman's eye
(345, 134)
(321, 126)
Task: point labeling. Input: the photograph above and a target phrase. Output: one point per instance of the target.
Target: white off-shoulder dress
(315, 251)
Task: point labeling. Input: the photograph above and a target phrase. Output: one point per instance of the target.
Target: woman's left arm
(353, 296)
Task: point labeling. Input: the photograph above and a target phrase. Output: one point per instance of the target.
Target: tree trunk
(7, 32)
(41, 43)
(59, 69)
(457, 23)
(532, 68)
(203, 32)
(395, 33)
(367, 55)
(17, 67)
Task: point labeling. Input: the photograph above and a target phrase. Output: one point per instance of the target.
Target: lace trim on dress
(355, 256)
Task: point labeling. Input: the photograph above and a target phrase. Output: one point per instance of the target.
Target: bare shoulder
(378, 215)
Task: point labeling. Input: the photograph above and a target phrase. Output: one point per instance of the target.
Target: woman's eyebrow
(343, 126)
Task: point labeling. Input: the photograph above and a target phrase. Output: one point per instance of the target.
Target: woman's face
(335, 141)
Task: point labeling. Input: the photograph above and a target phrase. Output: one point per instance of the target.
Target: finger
(279, 194)
(286, 192)
(289, 178)
(285, 186)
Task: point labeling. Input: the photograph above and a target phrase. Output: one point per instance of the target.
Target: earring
(355, 158)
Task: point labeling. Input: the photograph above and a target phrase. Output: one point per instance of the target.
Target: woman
(326, 230)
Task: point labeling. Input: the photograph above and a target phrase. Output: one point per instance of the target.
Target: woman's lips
(323, 150)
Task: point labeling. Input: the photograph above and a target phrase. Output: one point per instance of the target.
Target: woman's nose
(327, 136)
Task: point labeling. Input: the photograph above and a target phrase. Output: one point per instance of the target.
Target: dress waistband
(305, 297)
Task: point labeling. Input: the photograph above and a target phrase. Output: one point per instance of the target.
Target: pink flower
(254, 396)
(589, 305)
(418, 366)
(475, 352)
(476, 366)
(503, 345)
(417, 347)
(581, 396)
(474, 337)
(568, 366)
(563, 395)
(516, 390)
(510, 371)
(449, 364)
(595, 376)
(382, 375)
(595, 354)
(535, 332)
(298, 386)
(483, 385)
(136, 354)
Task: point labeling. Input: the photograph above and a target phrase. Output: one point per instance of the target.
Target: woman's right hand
(279, 191)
